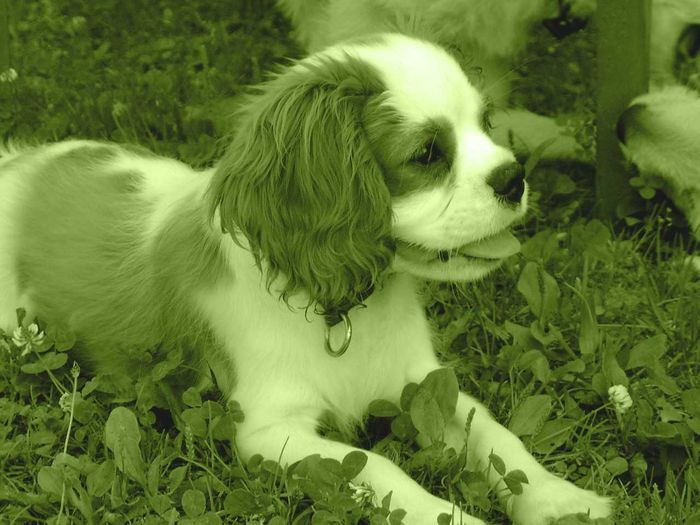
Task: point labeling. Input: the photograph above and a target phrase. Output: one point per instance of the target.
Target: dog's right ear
(301, 183)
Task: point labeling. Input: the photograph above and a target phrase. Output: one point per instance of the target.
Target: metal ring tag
(346, 343)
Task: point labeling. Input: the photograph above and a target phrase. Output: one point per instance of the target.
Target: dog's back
(119, 284)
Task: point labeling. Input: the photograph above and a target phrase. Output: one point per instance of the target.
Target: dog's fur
(351, 169)
(487, 34)
(660, 131)
(661, 134)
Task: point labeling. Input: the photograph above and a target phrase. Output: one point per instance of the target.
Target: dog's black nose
(508, 181)
(629, 117)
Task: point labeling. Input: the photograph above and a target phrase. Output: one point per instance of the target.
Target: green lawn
(586, 306)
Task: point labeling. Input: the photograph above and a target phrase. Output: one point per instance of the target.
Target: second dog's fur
(660, 131)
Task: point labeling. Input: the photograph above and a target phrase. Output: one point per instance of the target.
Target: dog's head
(660, 134)
(369, 157)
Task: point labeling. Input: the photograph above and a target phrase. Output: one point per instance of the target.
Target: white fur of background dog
(661, 129)
(490, 34)
(334, 161)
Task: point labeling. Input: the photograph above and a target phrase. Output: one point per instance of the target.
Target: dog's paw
(543, 502)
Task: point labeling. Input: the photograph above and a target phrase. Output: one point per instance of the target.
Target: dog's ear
(301, 183)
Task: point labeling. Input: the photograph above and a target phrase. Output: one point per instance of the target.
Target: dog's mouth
(491, 249)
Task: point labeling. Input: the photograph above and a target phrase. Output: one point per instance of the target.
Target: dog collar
(334, 315)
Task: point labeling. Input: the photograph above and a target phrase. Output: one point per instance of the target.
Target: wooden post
(623, 73)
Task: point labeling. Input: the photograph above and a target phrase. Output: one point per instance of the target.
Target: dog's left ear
(301, 183)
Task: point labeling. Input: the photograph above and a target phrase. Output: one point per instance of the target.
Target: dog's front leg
(293, 440)
(545, 497)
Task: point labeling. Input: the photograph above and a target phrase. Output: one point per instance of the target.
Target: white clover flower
(9, 75)
(66, 401)
(18, 337)
(362, 493)
(27, 338)
(620, 398)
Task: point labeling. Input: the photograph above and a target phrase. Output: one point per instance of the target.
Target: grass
(585, 307)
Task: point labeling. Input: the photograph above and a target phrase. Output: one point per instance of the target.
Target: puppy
(351, 176)
(488, 34)
(660, 131)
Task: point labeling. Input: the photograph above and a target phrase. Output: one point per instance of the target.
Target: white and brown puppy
(351, 175)
(489, 34)
(660, 130)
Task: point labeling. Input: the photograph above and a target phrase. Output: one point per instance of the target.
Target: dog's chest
(278, 352)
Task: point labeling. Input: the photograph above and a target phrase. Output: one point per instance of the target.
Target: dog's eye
(429, 153)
